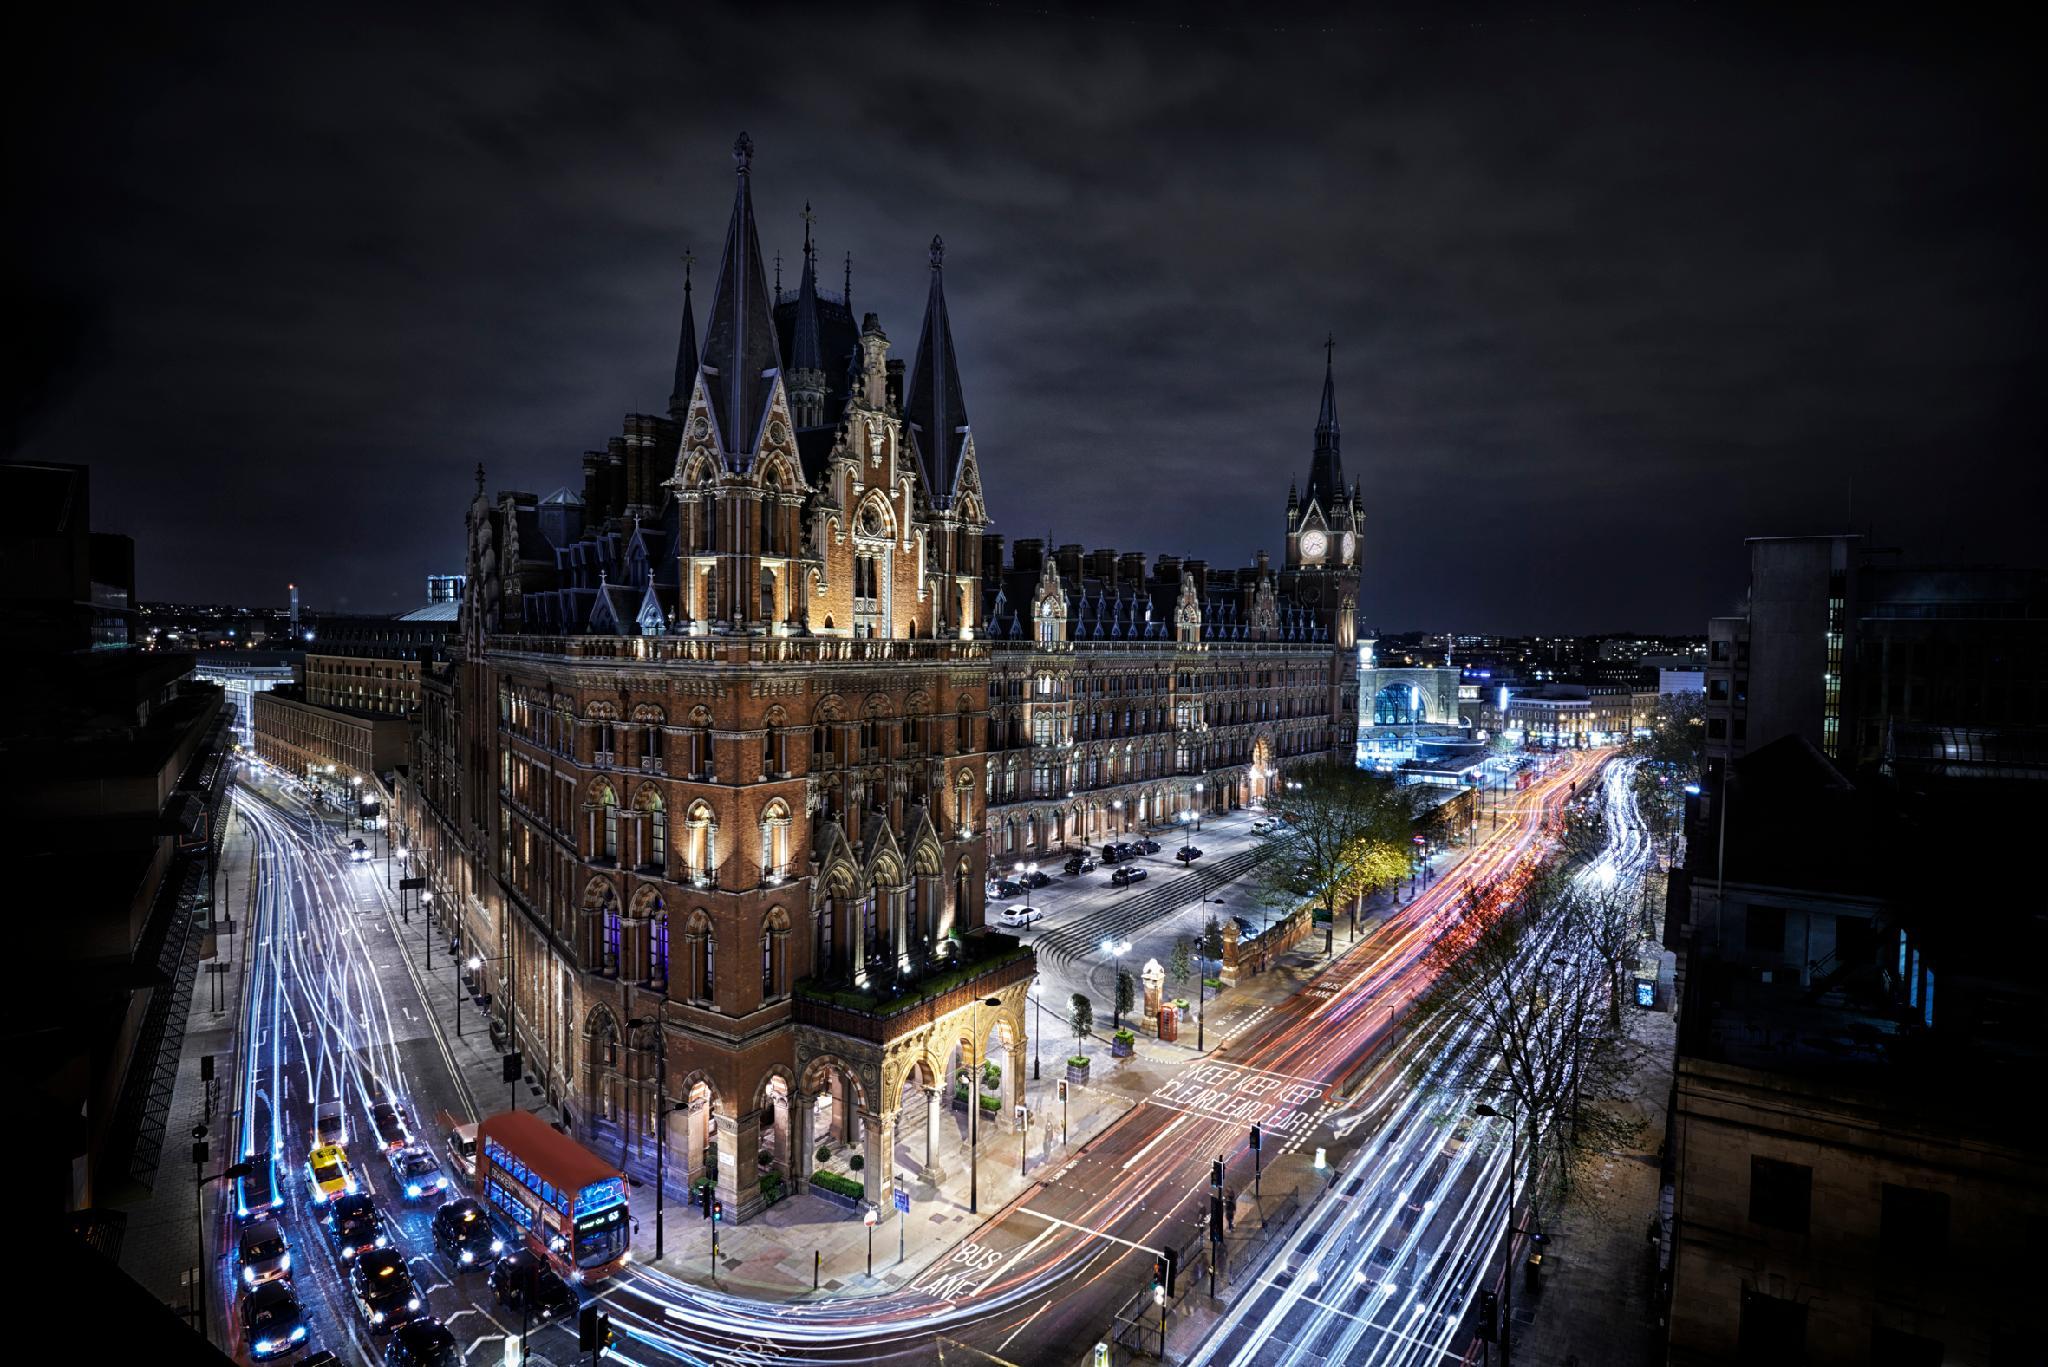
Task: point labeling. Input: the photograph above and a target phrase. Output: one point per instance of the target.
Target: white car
(1016, 918)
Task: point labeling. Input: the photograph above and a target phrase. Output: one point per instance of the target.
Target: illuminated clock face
(1350, 544)
(1313, 544)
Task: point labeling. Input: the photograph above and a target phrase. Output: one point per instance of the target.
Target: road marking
(1005, 1344)
(1100, 1234)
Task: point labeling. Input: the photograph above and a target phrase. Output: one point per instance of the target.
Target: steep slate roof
(741, 357)
(934, 405)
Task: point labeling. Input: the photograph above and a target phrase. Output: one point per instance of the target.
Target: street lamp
(1118, 807)
(1116, 949)
(1507, 1281)
(1198, 809)
(427, 924)
(355, 801)
(974, 1111)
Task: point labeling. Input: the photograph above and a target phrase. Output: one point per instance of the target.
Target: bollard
(817, 1261)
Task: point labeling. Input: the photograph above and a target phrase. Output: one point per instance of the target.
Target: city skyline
(1538, 328)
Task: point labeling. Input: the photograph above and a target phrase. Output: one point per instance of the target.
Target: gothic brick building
(706, 788)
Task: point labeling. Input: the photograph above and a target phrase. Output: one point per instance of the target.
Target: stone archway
(917, 1120)
(603, 1085)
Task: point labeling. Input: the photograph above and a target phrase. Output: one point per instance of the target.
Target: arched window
(657, 951)
(707, 970)
(609, 946)
(654, 840)
(963, 728)
(825, 951)
(913, 909)
(605, 826)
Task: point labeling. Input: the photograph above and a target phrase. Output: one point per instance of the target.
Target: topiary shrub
(842, 1186)
(824, 1153)
(856, 1162)
(992, 1104)
(765, 1158)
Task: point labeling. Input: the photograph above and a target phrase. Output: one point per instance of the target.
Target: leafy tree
(1080, 1015)
(1677, 736)
(1180, 963)
(1126, 992)
(1212, 943)
(1346, 836)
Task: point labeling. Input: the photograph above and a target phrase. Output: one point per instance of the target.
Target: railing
(742, 650)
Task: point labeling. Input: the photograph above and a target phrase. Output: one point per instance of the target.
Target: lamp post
(1116, 949)
(1118, 807)
(355, 802)
(1198, 809)
(1507, 1281)
(662, 1110)
(974, 1112)
(427, 924)
(199, 1214)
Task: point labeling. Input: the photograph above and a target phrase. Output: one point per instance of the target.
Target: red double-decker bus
(568, 1204)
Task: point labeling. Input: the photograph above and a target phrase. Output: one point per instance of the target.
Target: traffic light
(605, 1337)
(1172, 1269)
(1159, 1272)
(1489, 1317)
(1255, 1139)
(1216, 1174)
(1215, 1215)
(704, 1199)
(586, 1330)
(717, 1211)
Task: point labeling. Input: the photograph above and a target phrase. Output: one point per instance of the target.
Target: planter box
(1122, 1048)
(1076, 1076)
(845, 1203)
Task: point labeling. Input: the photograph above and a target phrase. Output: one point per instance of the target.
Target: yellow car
(328, 1170)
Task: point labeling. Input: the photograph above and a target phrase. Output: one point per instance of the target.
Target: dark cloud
(1611, 289)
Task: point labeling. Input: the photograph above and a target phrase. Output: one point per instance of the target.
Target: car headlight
(349, 1252)
(376, 1317)
(286, 1265)
(249, 1276)
(413, 1304)
(264, 1345)
(413, 1189)
(497, 1245)
(467, 1256)
(298, 1333)
(382, 1241)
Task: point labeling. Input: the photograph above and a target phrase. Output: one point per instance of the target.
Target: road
(333, 1008)
(1386, 1272)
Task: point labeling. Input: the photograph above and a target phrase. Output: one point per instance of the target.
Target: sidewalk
(1598, 1299)
(160, 1248)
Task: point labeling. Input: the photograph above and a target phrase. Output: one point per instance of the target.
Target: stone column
(802, 1141)
(746, 1162)
(728, 1175)
(878, 1161)
(1019, 1069)
(935, 1108)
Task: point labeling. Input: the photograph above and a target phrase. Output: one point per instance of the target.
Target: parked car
(1035, 879)
(384, 1290)
(1110, 853)
(422, 1343)
(263, 1255)
(1127, 875)
(463, 1232)
(1080, 863)
(1148, 845)
(1262, 825)
(417, 1172)
(358, 852)
(1016, 918)
(355, 1226)
(272, 1320)
(1187, 854)
(1007, 887)
(522, 1282)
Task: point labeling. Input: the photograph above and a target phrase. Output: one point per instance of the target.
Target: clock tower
(1324, 525)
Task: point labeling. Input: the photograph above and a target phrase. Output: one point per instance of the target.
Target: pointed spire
(1326, 469)
(686, 349)
(479, 479)
(936, 408)
(805, 352)
(849, 283)
(740, 350)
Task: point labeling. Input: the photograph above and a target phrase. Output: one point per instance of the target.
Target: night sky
(1611, 289)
